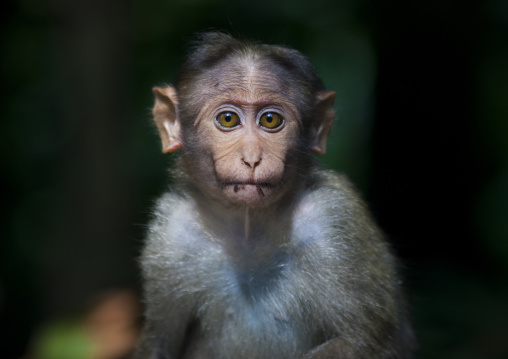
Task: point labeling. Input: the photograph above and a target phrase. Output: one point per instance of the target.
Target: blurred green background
(422, 129)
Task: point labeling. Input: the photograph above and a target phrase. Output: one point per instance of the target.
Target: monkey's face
(245, 133)
(241, 130)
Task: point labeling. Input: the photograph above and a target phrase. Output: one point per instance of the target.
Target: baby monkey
(257, 252)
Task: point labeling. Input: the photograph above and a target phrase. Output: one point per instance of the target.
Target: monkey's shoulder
(331, 213)
(173, 226)
(331, 193)
(333, 183)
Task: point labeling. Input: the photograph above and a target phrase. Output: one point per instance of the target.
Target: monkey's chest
(250, 299)
(248, 313)
(253, 276)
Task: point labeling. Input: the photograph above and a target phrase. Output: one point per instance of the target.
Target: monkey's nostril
(251, 163)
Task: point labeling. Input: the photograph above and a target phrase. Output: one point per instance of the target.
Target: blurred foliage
(66, 340)
(107, 330)
(422, 129)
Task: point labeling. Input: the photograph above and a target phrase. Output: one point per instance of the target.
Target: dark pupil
(269, 118)
(228, 118)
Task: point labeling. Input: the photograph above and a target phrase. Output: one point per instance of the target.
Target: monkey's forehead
(251, 81)
(247, 78)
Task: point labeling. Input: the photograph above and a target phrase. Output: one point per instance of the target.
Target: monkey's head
(246, 117)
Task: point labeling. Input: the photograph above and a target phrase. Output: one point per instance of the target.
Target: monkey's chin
(250, 194)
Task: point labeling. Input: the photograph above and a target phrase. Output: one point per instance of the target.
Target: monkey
(256, 251)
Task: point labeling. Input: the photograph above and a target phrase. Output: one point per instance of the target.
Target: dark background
(422, 103)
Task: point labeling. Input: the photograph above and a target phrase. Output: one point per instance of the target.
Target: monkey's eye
(270, 120)
(228, 119)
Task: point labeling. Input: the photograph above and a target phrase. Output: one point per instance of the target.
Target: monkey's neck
(247, 223)
(243, 225)
(239, 222)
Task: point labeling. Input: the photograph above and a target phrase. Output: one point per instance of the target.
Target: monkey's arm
(399, 346)
(330, 350)
(169, 308)
(361, 303)
(167, 319)
(338, 348)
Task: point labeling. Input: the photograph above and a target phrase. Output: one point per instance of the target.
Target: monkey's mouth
(261, 187)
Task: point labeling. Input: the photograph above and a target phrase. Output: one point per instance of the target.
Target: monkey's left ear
(322, 124)
(165, 115)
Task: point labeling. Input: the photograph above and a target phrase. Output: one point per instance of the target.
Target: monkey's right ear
(165, 115)
(322, 124)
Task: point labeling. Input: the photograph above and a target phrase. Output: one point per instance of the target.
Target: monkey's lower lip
(258, 187)
(257, 184)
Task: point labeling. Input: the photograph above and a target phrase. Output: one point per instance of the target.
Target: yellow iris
(270, 120)
(228, 119)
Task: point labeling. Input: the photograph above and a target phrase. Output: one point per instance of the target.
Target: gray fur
(312, 278)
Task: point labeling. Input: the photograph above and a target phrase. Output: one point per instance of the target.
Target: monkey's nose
(251, 162)
(251, 152)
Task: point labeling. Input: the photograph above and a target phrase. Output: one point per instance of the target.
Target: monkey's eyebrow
(259, 103)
